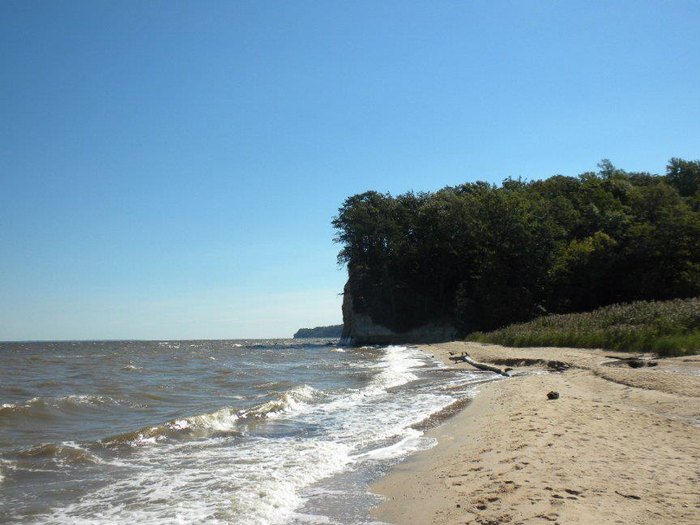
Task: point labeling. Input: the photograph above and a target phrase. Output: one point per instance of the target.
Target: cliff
(360, 329)
(319, 331)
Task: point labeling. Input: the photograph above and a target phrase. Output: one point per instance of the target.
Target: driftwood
(629, 496)
(634, 362)
(481, 366)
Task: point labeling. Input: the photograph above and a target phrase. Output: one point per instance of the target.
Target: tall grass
(666, 327)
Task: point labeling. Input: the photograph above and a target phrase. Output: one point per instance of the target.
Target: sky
(169, 170)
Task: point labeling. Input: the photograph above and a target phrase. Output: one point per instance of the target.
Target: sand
(620, 445)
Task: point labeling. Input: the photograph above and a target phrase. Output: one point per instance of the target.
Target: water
(244, 432)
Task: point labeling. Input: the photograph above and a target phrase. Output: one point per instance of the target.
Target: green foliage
(684, 176)
(480, 256)
(665, 327)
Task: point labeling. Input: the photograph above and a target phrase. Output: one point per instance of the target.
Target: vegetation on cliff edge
(480, 256)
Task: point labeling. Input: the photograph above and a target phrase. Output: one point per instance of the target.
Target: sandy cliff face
(359, 329)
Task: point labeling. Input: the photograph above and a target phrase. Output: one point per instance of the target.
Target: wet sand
(620, 445)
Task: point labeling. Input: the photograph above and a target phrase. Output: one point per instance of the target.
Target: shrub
(665, 327)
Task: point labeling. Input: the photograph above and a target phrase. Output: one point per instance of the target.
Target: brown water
(278, 431)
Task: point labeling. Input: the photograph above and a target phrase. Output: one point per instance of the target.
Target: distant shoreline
(164, 340)
(319, 332)
(620, 444)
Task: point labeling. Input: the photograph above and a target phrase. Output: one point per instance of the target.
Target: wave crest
(223, 421)
(289, 401)
(67, 452)
(46, 408)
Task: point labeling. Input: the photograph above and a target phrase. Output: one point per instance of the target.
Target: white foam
(396, 366)
(262, 480)
(88, 399)
(256, 483)
(294, 400)
(411, 442)
(221, 420)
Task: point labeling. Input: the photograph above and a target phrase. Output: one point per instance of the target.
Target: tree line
(480, 256)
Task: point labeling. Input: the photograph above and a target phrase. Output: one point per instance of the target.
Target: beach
(619, 445)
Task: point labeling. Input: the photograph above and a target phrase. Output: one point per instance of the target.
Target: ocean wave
(269, 386)
(47, 408)
(235, 461)
(292, 400)
(258, 482)
(272, 494)
(12, 411)
(264, 478)
(54, 359)
(155, 397)
(67, 452)
(221, 422)
(396, 368)
(411, 440)
(292, 344)
(138, 437)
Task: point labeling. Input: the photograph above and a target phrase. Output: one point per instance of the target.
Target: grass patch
(668, 328)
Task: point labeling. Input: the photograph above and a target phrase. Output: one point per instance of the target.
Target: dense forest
(479, 256)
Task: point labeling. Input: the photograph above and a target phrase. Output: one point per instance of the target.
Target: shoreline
(620, 445)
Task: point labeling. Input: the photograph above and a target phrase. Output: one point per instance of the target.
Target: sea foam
(302, 420)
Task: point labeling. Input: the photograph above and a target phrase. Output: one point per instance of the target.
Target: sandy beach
(620, 445)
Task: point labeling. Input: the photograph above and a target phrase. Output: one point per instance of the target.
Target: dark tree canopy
(478, 256)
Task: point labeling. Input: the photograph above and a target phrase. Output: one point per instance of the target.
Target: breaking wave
(265, 428)
(221, 422)
(68, 452)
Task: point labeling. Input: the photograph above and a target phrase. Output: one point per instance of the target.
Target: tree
(479, 256)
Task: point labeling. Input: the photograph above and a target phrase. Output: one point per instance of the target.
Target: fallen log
(481, 366)
(634, 362)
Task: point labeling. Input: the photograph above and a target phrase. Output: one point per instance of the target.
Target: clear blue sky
(170, 169)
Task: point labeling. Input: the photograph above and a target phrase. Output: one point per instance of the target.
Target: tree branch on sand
(481, 366)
